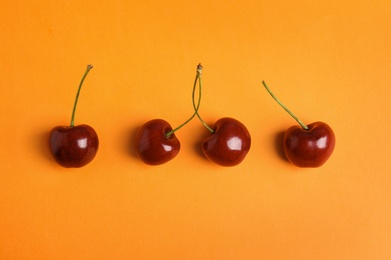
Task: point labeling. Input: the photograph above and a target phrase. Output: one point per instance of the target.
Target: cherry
(74, 146)
(229, 141)
(156, 142)
(153, 145)
(307, 145)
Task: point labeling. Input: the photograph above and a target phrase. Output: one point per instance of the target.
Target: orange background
(326, 60)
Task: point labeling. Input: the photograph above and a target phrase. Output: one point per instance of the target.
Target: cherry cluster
(227, 145)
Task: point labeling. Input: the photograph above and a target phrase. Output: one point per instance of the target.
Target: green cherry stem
(284, 107)
(89, 67)
(198, 75)
(199, 100)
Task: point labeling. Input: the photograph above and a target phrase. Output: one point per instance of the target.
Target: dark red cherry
(311, 147)
(229, 144)
(73, 146)
(306, 145)
(153, 146)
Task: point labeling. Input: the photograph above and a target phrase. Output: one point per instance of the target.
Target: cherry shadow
(278, 145)
(44, 146)
(130, 138)
(41, 144)
(197, 145)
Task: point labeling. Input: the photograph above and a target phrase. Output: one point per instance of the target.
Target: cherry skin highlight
(309, 148)
(229, 144)
(153, 146)
(73, 147)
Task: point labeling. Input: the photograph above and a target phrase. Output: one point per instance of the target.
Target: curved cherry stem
(198, 75)
(199, 100)
(89, 67)
(284, 107)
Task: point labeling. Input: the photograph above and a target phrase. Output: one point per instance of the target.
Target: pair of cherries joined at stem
(227, 145)
(305, 145)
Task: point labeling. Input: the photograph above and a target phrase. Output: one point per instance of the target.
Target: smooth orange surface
(326, 60)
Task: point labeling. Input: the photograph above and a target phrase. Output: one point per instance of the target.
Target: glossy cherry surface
(73, 147)
(309, 148)
(229, 144)
(153, 146)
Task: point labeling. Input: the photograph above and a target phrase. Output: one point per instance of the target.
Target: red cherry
(156, 142)
(153, 146)
(307, 145)
(230, 140)
(309, 148)
(74, 146)
(229, 144)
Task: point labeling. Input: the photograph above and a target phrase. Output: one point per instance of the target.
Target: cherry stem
(198, 75)
(199, 100)
(284, 107)
(89, 67)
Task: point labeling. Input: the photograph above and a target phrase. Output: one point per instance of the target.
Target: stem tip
(199, 68)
